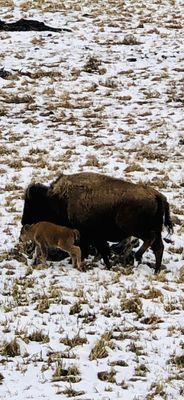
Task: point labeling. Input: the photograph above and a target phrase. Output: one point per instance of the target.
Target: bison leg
(85, 251)
(147, 243)
(103, 248)
(158, 249)
(84, 245)
(55, 254)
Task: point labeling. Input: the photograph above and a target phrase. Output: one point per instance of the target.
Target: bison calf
(45, 234)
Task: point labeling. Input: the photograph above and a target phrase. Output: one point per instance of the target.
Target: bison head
(36, 207)
(39, 205)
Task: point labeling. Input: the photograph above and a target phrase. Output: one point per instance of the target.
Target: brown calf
(45, 234)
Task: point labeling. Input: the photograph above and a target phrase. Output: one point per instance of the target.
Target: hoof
(82, 267)
(138, 257)
(157, 271)
(108, 266)
(41, 266)
(36, 262)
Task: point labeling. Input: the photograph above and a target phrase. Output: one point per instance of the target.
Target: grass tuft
(38, 336)
(11, 349)
(132, 305)
(107, 376)
(75, 341)
(100, 348)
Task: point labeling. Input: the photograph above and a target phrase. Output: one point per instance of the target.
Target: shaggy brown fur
(45, 234)
(104, 209)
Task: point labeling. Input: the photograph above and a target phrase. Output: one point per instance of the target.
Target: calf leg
(36, 255)
(43, 251)
(147, 243)
(73, 251)
(158, 249)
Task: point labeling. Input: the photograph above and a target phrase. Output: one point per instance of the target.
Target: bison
(103, 209)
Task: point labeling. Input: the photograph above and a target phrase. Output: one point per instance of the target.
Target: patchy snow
(119, 114)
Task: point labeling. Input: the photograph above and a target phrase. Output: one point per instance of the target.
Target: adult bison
(103, 209)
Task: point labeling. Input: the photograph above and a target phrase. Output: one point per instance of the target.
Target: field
(105, 97)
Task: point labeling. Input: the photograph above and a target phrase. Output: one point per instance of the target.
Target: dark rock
(4, 74)
(130, 40)
(132, 59)
(86, 16)
(28, 25)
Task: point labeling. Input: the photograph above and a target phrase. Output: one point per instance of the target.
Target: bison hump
(81, 181)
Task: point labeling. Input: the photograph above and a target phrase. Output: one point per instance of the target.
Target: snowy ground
(94, 99)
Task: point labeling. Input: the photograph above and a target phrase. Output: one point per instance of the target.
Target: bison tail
(164, 212)
(167, 220)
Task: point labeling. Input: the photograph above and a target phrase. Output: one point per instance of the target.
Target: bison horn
(27, 194)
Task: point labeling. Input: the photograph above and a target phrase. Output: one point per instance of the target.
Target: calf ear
(25, 228)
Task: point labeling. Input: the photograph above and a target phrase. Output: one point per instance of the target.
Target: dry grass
(76, 308)
(70, 392)
(180, 277)
(92, 161)
(100, 349)
(71, 374)
(75, 341)
(92, 65)
(134, 167)
(152, 320)
(141, 370)
(119, 363)
(107, 376)
(5, 151)
(132, 305)
(177, 361)
(149, 154)
(161, 277)
(58, 356)
(1, 378)
(172, 305)
(10, 349)
(157, 389)
(39, 336)
(43, 305)
(137, 349)
(18, 99)
(153, 293)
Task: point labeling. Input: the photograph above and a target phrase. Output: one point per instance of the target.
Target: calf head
(24, 233)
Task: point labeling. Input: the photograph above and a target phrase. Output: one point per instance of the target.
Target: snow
(123, 114)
